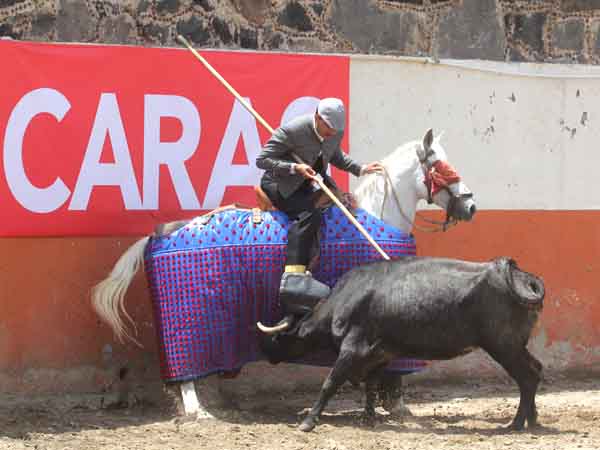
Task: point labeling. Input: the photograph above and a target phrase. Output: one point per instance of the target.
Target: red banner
(112, 140)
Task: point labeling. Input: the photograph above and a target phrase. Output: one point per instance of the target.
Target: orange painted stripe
(46, 319)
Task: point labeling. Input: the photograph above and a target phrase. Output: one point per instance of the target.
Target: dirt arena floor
(455, 415)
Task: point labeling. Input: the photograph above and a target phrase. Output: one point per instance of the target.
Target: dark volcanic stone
(7, 30)
(42, 24)
(74, 22)
(410, 2)
(222, 30)
(294, 16)
(317, 8)
(529, 29)
(471, 30)
(156, 33)
(515, 55)
(6, 3)
(371, 29)
(194, 30)
(167, 6)
(568, 35)
(579, 5)
(204, 4)
(248, 38)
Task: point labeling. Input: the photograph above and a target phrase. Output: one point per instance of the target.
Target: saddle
(321, 200)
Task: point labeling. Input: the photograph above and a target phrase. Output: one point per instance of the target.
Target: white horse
(415, 171)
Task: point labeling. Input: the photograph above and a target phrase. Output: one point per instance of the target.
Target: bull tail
(528, 288)
(108, 296)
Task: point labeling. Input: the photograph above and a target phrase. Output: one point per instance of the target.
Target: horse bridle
(427, 169)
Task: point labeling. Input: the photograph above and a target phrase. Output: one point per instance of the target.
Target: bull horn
(272, 330)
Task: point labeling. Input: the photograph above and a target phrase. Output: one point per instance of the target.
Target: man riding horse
(290, 186)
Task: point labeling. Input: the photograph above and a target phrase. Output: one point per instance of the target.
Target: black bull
(428, 308)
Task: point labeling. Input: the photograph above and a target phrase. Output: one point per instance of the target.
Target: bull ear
(428, 140)
(528, 287)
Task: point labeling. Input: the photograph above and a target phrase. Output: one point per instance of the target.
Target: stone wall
(511, 30)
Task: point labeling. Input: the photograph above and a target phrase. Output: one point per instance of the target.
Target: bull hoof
(368, 420)
(308, 424)
(515, 426)
(399, 410)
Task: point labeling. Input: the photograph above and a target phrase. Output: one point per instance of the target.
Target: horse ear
(428, 139)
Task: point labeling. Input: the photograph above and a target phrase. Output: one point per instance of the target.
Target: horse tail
(108, 295)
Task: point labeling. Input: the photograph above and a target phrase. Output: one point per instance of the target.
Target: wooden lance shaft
(258, 117)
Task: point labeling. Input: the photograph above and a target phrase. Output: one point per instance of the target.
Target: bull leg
(372, 383)
(391, 394)
(535, 363)
(355, 357)
(519, 367)
(537, 366)
(337, 376)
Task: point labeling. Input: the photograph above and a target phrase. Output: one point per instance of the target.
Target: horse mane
(404, 158)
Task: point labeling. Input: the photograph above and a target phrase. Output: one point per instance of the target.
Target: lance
(264, 123)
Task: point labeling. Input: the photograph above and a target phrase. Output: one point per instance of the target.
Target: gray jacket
(299, 136)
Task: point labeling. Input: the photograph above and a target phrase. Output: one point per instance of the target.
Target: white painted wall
(530, 153)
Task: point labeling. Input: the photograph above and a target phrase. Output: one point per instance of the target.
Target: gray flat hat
(332, 112)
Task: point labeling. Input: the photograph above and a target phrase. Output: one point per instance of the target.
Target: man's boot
(299, 292)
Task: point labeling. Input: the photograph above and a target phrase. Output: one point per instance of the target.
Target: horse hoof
(307, 425)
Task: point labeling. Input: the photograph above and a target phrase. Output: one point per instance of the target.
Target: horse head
(418, 170)
(444, 186)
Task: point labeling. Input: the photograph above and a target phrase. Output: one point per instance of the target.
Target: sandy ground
(454, 416)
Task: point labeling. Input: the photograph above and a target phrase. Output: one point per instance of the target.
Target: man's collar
(319, 137)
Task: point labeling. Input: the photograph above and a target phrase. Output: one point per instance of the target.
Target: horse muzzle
(462, 207)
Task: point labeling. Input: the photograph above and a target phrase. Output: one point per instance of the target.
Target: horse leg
(518, 364)
(192, 404)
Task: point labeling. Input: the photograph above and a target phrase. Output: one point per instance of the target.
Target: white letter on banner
(93, 172)
(39, 200)
(172, 154)
(225, 173)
